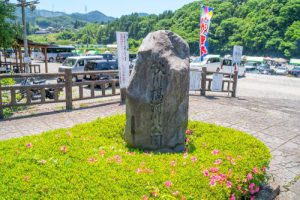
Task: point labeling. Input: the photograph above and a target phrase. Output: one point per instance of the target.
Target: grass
(92, 161)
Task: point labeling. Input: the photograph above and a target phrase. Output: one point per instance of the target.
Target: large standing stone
(157, 98)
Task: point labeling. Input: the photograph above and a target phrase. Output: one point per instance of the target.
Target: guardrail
(55, 89)
(228, 85)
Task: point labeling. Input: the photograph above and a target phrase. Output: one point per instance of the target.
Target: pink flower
(215, 152)
(118, 159)
(92, 160)
(168, 184)
(194, 159)
(214, 170)
(251, 185)
(212, 182)
(102, 153)
(249, 177)
(185, 155)
(215, 178)
(29, 145)
(218, 161)
(145, 197)
(228, 183)
(26, 178)
(187, 140)
(43, 162)
(176, 193)
(255, 170)
(173, 163)
(263, 169)
(232, 197)
(188, 132)
(206, 173)
(257, 189)
(64, 149)
(252, 192)
(252, 197)
(138, 171)
(154, 193)
(223, 177)
(239, 188)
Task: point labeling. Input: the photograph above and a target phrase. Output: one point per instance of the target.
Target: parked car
(36, 93)
(100, 65)
(264, 69)
(281, 71)
(229, 67)
(107, 56)
(211, 62)
(61, 57)
(296, 71)
(249, 66)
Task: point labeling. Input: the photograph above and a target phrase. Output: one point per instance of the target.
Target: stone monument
(158, 94)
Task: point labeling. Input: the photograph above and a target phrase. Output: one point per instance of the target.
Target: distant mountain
(94, 16)
(46, 18)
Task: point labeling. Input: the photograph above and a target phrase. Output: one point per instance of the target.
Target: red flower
(29, 145)
(188, 132)
(206, 173)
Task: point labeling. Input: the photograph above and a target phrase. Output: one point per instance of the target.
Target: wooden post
(68, 87)
(234, 86)
(123, 92)
(46, 60)
(203, 81)
(21, 61)
(1, 106)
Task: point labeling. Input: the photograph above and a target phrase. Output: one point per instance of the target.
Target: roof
(61, 46)
(295, 61)
(254, 59)
(84, 57)
(31, 43)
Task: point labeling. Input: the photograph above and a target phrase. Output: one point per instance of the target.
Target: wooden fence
(20, 68)
(229, 85)
(66, 86)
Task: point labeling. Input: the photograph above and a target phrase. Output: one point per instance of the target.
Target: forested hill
(263, 27)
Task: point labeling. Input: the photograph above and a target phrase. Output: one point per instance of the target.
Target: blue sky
(114, 8)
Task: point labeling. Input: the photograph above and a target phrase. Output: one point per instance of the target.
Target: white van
(229, 67)
(211, 62)
(77, 63)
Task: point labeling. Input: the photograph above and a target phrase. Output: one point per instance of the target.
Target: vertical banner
(206, 15)
(217, 82)
(237, 54)
(123, 58)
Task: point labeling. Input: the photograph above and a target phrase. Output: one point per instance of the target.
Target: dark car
(61, 57)
(100, 65)
(296, 71)
(264, 69)
(107, 56)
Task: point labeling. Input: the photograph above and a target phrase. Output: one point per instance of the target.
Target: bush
(91, 161)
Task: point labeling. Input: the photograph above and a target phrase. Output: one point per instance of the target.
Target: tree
(7, 33)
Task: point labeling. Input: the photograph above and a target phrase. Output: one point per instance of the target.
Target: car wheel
(51, 59)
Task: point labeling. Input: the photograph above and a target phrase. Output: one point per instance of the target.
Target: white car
(211, 62)
(282, 71)
(228, 67)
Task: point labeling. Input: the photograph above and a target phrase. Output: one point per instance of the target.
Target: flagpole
(201, 8)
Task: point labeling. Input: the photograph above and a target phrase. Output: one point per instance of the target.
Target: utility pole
(23, 4)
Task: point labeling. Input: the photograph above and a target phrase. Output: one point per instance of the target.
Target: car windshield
(297, 68)
(227, 62)
(69, 62)
(282, 68)
(197, 60)
(250, 63)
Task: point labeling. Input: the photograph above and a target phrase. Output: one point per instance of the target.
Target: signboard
(195, 80)
(206, 15)
(237, 54)
(217, 82)
(27, 60)
(123, 58)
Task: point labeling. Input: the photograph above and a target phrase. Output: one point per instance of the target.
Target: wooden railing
(55, 89)
(229, 85)
(20, 68)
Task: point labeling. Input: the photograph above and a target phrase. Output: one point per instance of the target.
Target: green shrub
(91, 161)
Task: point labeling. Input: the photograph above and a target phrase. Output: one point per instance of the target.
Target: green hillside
(263, 27)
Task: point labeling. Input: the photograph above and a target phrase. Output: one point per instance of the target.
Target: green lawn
(91, 161)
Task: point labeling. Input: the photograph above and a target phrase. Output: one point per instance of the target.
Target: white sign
(27, 60)
(195, 80)
(123, 58)
(237, 54)
(217, 82)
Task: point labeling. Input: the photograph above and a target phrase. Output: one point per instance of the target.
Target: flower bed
(91, 161)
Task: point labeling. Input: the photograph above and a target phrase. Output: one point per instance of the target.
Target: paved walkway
(274, 122)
